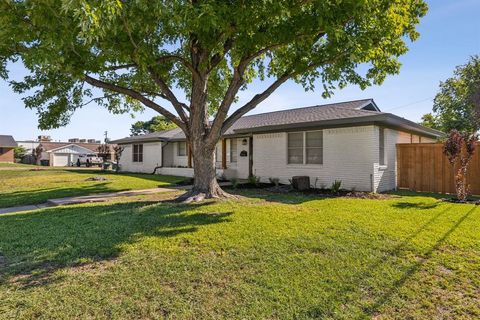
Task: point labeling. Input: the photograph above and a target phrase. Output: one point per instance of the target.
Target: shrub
(459, 149)
(336, 185)
(19, 153)
(234, 182)
(275, 181)
(254, 180)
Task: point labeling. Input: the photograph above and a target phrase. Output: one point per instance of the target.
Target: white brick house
(351, 141)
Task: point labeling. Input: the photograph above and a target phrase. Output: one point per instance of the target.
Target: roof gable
(7, 141)
(71, 148)
(92, 147)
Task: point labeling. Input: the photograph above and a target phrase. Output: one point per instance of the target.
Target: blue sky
(450, 34)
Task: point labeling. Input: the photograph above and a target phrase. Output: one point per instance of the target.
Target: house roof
(7, 141)
(358, 112)
(52, 146)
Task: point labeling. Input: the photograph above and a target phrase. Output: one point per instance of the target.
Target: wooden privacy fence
(424, 167)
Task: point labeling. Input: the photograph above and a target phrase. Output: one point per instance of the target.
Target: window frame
(289, 148)
(178, 149)
(304, 149)
(307, 147)
(137, 155)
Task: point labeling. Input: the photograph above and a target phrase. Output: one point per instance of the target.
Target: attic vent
(370, 107)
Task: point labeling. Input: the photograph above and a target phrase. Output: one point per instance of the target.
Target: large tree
(138, 52)
(157, 123)
(457, 105)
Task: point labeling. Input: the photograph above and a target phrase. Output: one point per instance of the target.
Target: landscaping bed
(324, 193)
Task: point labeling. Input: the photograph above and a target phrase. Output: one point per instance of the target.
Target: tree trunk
(205, 184)
(203, 143)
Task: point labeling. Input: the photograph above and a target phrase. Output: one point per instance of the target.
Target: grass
(22, 187)
(262, 256)
(14, 165)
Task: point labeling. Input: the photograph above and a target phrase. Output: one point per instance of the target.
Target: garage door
(60, 159)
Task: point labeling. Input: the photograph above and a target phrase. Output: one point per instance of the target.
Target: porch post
(224, 153)
(189, 152)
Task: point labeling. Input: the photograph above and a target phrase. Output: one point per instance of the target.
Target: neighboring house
(30, 146)
(63, 154)
(351, 141)
(7, 144)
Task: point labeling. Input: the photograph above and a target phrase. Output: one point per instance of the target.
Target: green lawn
(260, 257)
(15, 165)
(22, 187)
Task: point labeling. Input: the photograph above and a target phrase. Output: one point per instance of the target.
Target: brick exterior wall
(348, 155)
(6, 155)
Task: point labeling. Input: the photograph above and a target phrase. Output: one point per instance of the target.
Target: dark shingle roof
(350, 109)
(7, 141)
(353, 112)
(171, 134)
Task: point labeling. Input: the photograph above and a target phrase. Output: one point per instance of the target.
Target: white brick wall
(152, 157)
(385, 177)
(348, 155)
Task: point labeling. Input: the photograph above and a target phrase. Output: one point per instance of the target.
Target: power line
(410, 104)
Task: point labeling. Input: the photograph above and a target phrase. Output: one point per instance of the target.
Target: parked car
(89, 160)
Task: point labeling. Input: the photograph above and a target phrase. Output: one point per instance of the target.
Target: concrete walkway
(22, 208)
(102, 197)
(99, 197)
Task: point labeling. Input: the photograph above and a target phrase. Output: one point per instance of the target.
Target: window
(314, 147)
(305, 147)
(182, 149)
(295, 148)
(381, 146)
(233, 150)
(138, 153)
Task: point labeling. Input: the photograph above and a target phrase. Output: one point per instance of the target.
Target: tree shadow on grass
(269, 196)
(368, 272)
(411, 271)
(35, 245)
(38, 196)
(415, 205)
(438, 196)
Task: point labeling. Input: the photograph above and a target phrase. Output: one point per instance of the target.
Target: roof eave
(380, 119)
(130, 141)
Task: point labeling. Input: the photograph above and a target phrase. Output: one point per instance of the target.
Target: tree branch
(217, 58)
(169, 95)
(254, 102)
(137, 96)
(234, 86)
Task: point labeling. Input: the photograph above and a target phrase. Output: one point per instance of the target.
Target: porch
(230, 161)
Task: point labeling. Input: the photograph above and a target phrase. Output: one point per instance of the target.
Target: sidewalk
(100, 197)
